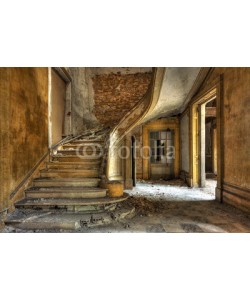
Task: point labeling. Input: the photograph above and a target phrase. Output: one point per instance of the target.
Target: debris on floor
(172, 207)
(173, 190)
(144, 206)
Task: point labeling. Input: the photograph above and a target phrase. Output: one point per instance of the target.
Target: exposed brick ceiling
(117, 91)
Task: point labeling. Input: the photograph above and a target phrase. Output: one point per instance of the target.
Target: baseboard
(218, 194)
(236, 196)
(128, 184)
(139, 176)
(184, 175)
(3, 215)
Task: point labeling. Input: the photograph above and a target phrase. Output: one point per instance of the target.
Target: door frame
(65, 76)
(212, 92)
(159, 125)
(133, 158)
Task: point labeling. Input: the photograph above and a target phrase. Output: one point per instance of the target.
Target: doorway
(205, 143)
(58, 98)
(168, 131)
(211, 141)
(207, 136)
(59, 104)
(161, 156)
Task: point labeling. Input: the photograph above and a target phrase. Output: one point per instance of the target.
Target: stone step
(85, 146)
(66, 221)
(65, 192)
(73, 165)
(70, 204)
(70, 173)
(86, 142)
(74, 158)
(70, 182)
(81, 152)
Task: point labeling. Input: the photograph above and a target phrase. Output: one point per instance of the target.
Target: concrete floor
(171, 206)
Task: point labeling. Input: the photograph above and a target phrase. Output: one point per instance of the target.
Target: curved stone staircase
(67, 194)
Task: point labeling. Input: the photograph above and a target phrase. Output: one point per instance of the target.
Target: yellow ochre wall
(24, 129)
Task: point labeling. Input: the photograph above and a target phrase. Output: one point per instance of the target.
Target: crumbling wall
(82, 100)
(103, 96)
(116, 94)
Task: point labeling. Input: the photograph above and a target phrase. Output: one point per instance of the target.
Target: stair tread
(64, 189)
(75, 158)
(85, 141)
(67, 201)
(75, 146)
(68, 179)
(45, 217)
(54, 218)
(82, 157)
(76, 167)
(67, 150)
(67, 170)
(66, 163)
(93, 158)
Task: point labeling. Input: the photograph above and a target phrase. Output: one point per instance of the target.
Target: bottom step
(50, 203)
(52, 221)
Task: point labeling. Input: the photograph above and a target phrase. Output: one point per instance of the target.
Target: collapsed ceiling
(105, 95)
(117, 90)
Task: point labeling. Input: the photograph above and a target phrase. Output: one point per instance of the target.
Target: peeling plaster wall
(102, 96)
(121, 70)
(82, 100)
(24, 124)
(184, 133)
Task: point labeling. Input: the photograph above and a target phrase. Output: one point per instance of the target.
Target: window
(159, 141)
